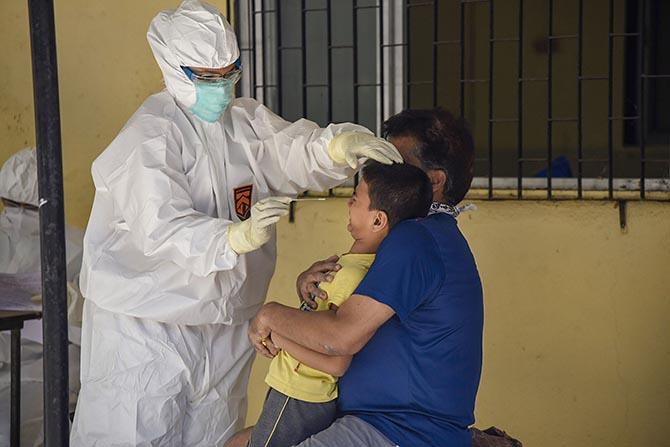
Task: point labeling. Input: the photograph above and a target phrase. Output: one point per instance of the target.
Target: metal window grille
(568, 97)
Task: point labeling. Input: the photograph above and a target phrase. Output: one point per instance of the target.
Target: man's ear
(380, 222)
(438, 178)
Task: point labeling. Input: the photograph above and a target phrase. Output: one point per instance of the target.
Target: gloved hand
(252, 233)
(350, 147)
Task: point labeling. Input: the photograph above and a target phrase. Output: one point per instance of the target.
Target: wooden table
(13, 321)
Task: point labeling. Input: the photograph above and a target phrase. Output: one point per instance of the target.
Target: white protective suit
(20, 253)
(165, 353)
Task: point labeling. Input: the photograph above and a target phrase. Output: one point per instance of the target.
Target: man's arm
(343, 332)
(335, 365)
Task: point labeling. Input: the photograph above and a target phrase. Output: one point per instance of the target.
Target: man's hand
(307, 282)
(259, 334)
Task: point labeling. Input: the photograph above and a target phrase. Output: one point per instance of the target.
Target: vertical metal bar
(354, 44)
(355, 55)
(642, 102)
(580, 73)
(236, 9)
(329, 63)
(264, 74)
(490, 124)
(252, 41)
(15, 390)
(550, 127)
(228, 10)
(519, 99)
(303, 45)
(280, 54)
(329, 68)
(381, 65)
(52, 221)
(610, 83)
(462, 55)
(408, 57)
(435, 39)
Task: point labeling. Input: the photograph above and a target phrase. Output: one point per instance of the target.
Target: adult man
(180, 246)
(20, 255)
(414, 323)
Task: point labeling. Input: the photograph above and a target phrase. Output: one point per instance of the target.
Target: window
(551, 89)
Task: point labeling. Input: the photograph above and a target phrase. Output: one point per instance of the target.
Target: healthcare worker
(180, 246)
(20, 254)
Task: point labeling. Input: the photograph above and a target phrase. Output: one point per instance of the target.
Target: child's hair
(402, 191)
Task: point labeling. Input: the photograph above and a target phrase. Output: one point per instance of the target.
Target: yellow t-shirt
(297, 380)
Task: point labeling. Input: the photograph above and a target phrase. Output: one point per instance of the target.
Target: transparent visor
(232, 77)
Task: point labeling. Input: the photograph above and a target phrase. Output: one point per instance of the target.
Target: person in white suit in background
(20, 257)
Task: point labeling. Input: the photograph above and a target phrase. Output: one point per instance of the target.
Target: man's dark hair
(444, 143)
(402, 191)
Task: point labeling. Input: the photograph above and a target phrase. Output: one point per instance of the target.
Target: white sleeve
(151, 192)
(294, 156)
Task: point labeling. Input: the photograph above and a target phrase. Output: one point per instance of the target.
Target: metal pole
(490, 133)
(52, 222)
(436, 14)
(381, 66)
(264, 73)
(580, 108)
(520, 105)
(236, 9)
(408, 56)
(329, 63)
(462, 57)
(15, 390)
(280, 84)
(610, 82)
(303, 45)
(252, 41)
(642, 98)
(354, 37)
(550, 116)
(354, 55)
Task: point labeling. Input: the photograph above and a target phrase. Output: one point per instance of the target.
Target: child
(303, 383)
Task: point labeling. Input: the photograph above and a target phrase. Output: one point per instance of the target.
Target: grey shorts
(348, 431)
(286, 421)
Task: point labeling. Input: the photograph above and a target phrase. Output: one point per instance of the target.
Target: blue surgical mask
(212, 99)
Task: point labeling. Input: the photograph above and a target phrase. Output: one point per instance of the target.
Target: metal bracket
(623, 224)
(291, 212)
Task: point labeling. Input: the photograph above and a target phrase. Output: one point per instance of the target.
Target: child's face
(361, 218)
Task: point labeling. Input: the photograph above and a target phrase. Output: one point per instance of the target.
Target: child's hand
(308, 281)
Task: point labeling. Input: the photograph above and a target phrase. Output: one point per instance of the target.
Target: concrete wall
(576, 311)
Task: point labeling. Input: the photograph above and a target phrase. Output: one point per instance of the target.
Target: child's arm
(335, 365)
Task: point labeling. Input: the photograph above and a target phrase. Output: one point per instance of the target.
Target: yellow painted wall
(576, 312)
(577, 315)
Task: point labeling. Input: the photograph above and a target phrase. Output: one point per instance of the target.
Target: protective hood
(18, 177)
(193, 35)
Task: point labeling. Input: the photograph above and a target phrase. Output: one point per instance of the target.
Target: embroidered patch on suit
(242, 197)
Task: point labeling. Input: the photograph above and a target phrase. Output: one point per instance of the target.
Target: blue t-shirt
(417, 378)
